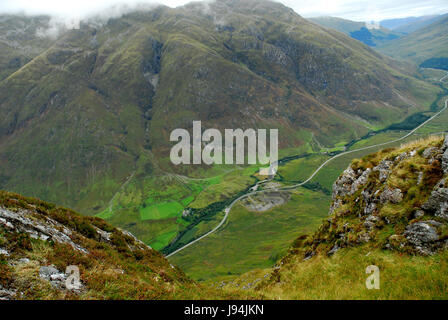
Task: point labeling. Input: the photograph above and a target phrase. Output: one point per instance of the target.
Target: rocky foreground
(41, 243)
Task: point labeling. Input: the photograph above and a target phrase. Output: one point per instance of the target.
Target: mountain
(39, 240)
(410, 24)
(19, 41)
(86, 122)
(358, 30)
(389, 211)
(424, 44)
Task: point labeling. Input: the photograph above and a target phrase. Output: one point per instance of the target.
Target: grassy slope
(251, 240)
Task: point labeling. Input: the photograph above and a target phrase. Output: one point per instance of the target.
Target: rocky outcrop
(343, 185)
(43, 228)
(445, 156)
(423, 236)
(58, 279)
(7, 294)
(348, 184)
(384, 168)
(437, 203)
(382, 203)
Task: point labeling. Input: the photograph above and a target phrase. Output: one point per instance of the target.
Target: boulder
(343, 185)
(47, 272)
(362, 180)
(437, 202)
(422, 235)
(402, 157)
(391, 195)
(7, 294)
(419, 214)
(430, 152)
(334, 206)
(384, 169)
(371, 221)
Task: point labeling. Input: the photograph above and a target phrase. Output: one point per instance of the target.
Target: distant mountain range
(429, 42)
(421, 40)
(410, 24)
(358, 30)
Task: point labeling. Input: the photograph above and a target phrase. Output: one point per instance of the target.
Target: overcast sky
(360, 10)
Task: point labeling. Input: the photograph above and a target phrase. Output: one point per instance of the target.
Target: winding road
(443, 78)
(229, 208)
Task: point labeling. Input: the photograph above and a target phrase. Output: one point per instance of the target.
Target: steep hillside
(358, 30)
(38, 241)
(421, 45)
(389, 210)
(86, 123)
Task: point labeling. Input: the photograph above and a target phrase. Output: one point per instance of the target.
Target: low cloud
(70, 11)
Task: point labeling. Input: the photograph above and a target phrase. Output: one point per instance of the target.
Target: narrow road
(229, 208)
(443, 78)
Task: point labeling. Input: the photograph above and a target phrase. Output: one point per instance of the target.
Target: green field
(251, 240)
(161, 211)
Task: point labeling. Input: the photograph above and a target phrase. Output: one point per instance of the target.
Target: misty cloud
(70, 11)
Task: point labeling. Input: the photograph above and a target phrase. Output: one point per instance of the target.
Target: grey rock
(402, 157)
(103, 235)
(57, 279)
(23, 261)
(4, 252)
(419, 213)
(370, 208)
(430, 152)
(437, 202)
(42, 228)
(362, 180)
(343, 185)
(384, 169)
(371, 221)
(333, 250)
(7, 294)
(47, 272)
(364, 237)
(334, 206)
(420, 178)
(391, 195)
(445, 161)
(422, 235)
(371, 202)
